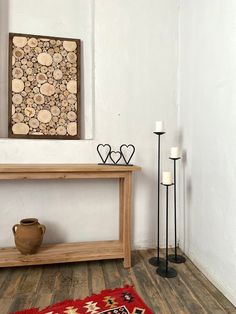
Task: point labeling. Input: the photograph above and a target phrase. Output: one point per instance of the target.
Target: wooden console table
(74, 252)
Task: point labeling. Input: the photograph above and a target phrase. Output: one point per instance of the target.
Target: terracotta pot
(28, 235)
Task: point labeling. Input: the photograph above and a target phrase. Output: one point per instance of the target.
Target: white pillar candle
(167, 177)
(159, 126)
(174, 152)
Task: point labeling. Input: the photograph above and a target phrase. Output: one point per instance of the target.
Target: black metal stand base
(154, 261)
(177, 259)
(166, 273)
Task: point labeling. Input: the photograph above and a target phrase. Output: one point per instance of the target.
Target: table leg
(121, 212)
(127, 219)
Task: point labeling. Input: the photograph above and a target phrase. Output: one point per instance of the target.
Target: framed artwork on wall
(44, 87)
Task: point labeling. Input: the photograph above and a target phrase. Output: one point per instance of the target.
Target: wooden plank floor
(40, 286)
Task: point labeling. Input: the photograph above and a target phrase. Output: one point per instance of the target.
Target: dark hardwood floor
(40, 286)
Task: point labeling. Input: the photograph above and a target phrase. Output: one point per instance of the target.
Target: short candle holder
(165, 270)
(156, 260)
(175, 258)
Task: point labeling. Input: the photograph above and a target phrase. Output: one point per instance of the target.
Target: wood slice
(18, 117)
(72, 128)
(61, 130)
(17, 99)
(23, 93)
(44, 116)
(27, 49)
(62, 87)
(44, 59)
(53, 42)
(57, 57)
(30, 78)
(20, 128)
(39, 99)
(57, 74)
(52, 132)
(29, 64)
(73, 70)
(19, 41)
(32, 42)
(44, 69)
(29, 112)
(36, 90)
(29, 71)
(51, 51)
(71, 115)
(55, 119)
(13, 60)
(61, 121)
(37, 50)
(52, 123)
(71, 99)
(69, 45)
(17, 85)
(18, 53)
(47, 89)
(61, 96)
(64, 54)
(17, 73)
(31, 95)
(24, 61)
(41, 78)
(71, 57)
(34, 123)
(72, 87)
(55, 111)
(42, 126)
(13, 109)
(64, 103)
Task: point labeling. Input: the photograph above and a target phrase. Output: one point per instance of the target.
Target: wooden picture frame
(44, 87)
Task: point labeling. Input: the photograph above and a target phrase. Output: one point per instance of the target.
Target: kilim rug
(118, 301)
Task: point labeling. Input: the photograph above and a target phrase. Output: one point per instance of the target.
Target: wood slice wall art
(44, 87)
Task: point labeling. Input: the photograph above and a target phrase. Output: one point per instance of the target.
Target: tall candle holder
(156, 260)
(165, 270)
(175, 258)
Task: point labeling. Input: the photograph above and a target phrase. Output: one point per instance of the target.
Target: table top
(27, 168)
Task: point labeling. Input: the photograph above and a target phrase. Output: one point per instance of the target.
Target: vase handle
(14, 228)
(43, 228)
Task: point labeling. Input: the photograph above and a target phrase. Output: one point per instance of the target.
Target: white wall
(135, 84)
(207, 119)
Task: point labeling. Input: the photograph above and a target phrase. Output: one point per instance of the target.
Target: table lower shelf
(63, 253)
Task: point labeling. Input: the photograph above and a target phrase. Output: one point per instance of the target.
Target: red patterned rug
(118, 301)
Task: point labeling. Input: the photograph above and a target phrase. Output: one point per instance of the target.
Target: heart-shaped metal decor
(115, 156)
(104, 151)
(127, 152)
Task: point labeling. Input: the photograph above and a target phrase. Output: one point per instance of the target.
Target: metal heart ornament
(115, 156)
(127, 152)
(104, 151)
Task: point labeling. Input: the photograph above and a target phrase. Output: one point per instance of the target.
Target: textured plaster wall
(129, 68)
(207, 103)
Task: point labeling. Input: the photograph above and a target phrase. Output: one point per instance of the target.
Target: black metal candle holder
(156, 260)
(165, 270)
(175, 258)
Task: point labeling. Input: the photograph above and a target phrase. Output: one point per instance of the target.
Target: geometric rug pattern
(117, 301)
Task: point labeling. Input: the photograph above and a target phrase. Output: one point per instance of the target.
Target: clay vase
(28, 235)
